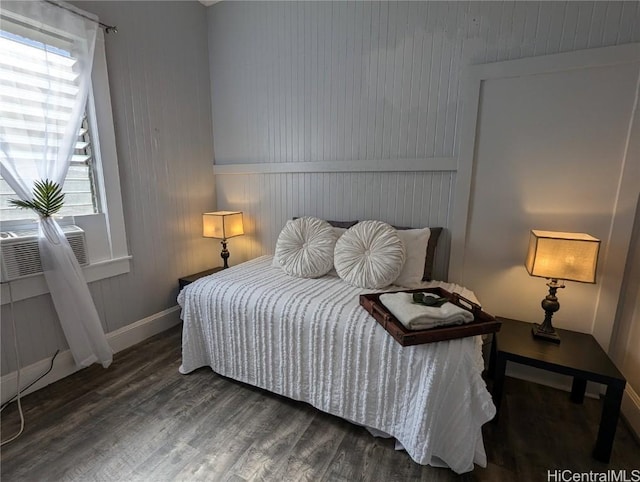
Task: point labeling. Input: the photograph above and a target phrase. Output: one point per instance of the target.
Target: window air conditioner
(21, 255)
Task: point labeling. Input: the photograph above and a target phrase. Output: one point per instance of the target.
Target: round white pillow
(305, 247)
(369, 255)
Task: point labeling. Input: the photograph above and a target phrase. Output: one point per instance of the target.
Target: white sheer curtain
(47, 55)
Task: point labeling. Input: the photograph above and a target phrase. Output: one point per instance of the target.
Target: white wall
(626, 338)
(550, 151)
(161, 104)
(555, 145)
(377, 82)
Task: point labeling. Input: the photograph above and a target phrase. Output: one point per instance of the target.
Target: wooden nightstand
(578, 355)
(184, 281)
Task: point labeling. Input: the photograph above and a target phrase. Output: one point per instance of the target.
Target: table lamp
(222, 225)
(560, 256)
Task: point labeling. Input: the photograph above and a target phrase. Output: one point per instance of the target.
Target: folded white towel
(420, 317)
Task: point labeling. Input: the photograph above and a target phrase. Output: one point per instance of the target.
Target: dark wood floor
(142, 420)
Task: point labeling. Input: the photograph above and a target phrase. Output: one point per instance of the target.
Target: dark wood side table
(578, 355)
(186, 280)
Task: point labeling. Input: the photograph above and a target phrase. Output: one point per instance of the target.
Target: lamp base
(541, 334)
(224, 254)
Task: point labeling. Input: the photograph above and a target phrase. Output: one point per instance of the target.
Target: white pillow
(305, 247)
(415, 243)
(369, 255)
(338, 232)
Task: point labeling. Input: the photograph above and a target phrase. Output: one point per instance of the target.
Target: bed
(310, 340)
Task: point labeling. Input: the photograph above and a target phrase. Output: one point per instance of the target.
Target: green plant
(48, 198)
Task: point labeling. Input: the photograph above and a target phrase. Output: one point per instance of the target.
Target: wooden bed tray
(482, 324)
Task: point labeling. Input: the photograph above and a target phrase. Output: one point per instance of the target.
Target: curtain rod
(107, 28)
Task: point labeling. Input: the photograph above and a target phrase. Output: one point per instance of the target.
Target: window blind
(33, 72)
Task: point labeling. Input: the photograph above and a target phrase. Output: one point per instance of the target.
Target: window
(92, 187)
(22, 79)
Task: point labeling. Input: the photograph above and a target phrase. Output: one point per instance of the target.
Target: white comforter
(310, 340)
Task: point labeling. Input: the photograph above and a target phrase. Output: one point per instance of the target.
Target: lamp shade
(222, 224)
(566, 256)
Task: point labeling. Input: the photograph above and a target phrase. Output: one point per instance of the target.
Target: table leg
(498, 381)
(578, 388)
(492, 357)
(608, 423)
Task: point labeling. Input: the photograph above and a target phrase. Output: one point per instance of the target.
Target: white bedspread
(310, 340)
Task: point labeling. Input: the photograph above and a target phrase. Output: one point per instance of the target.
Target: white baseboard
(631, 409)
(64, 365)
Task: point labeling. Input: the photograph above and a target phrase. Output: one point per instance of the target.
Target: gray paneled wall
(160, 94)
(268, 200)
(313, 81)
(336, 81)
